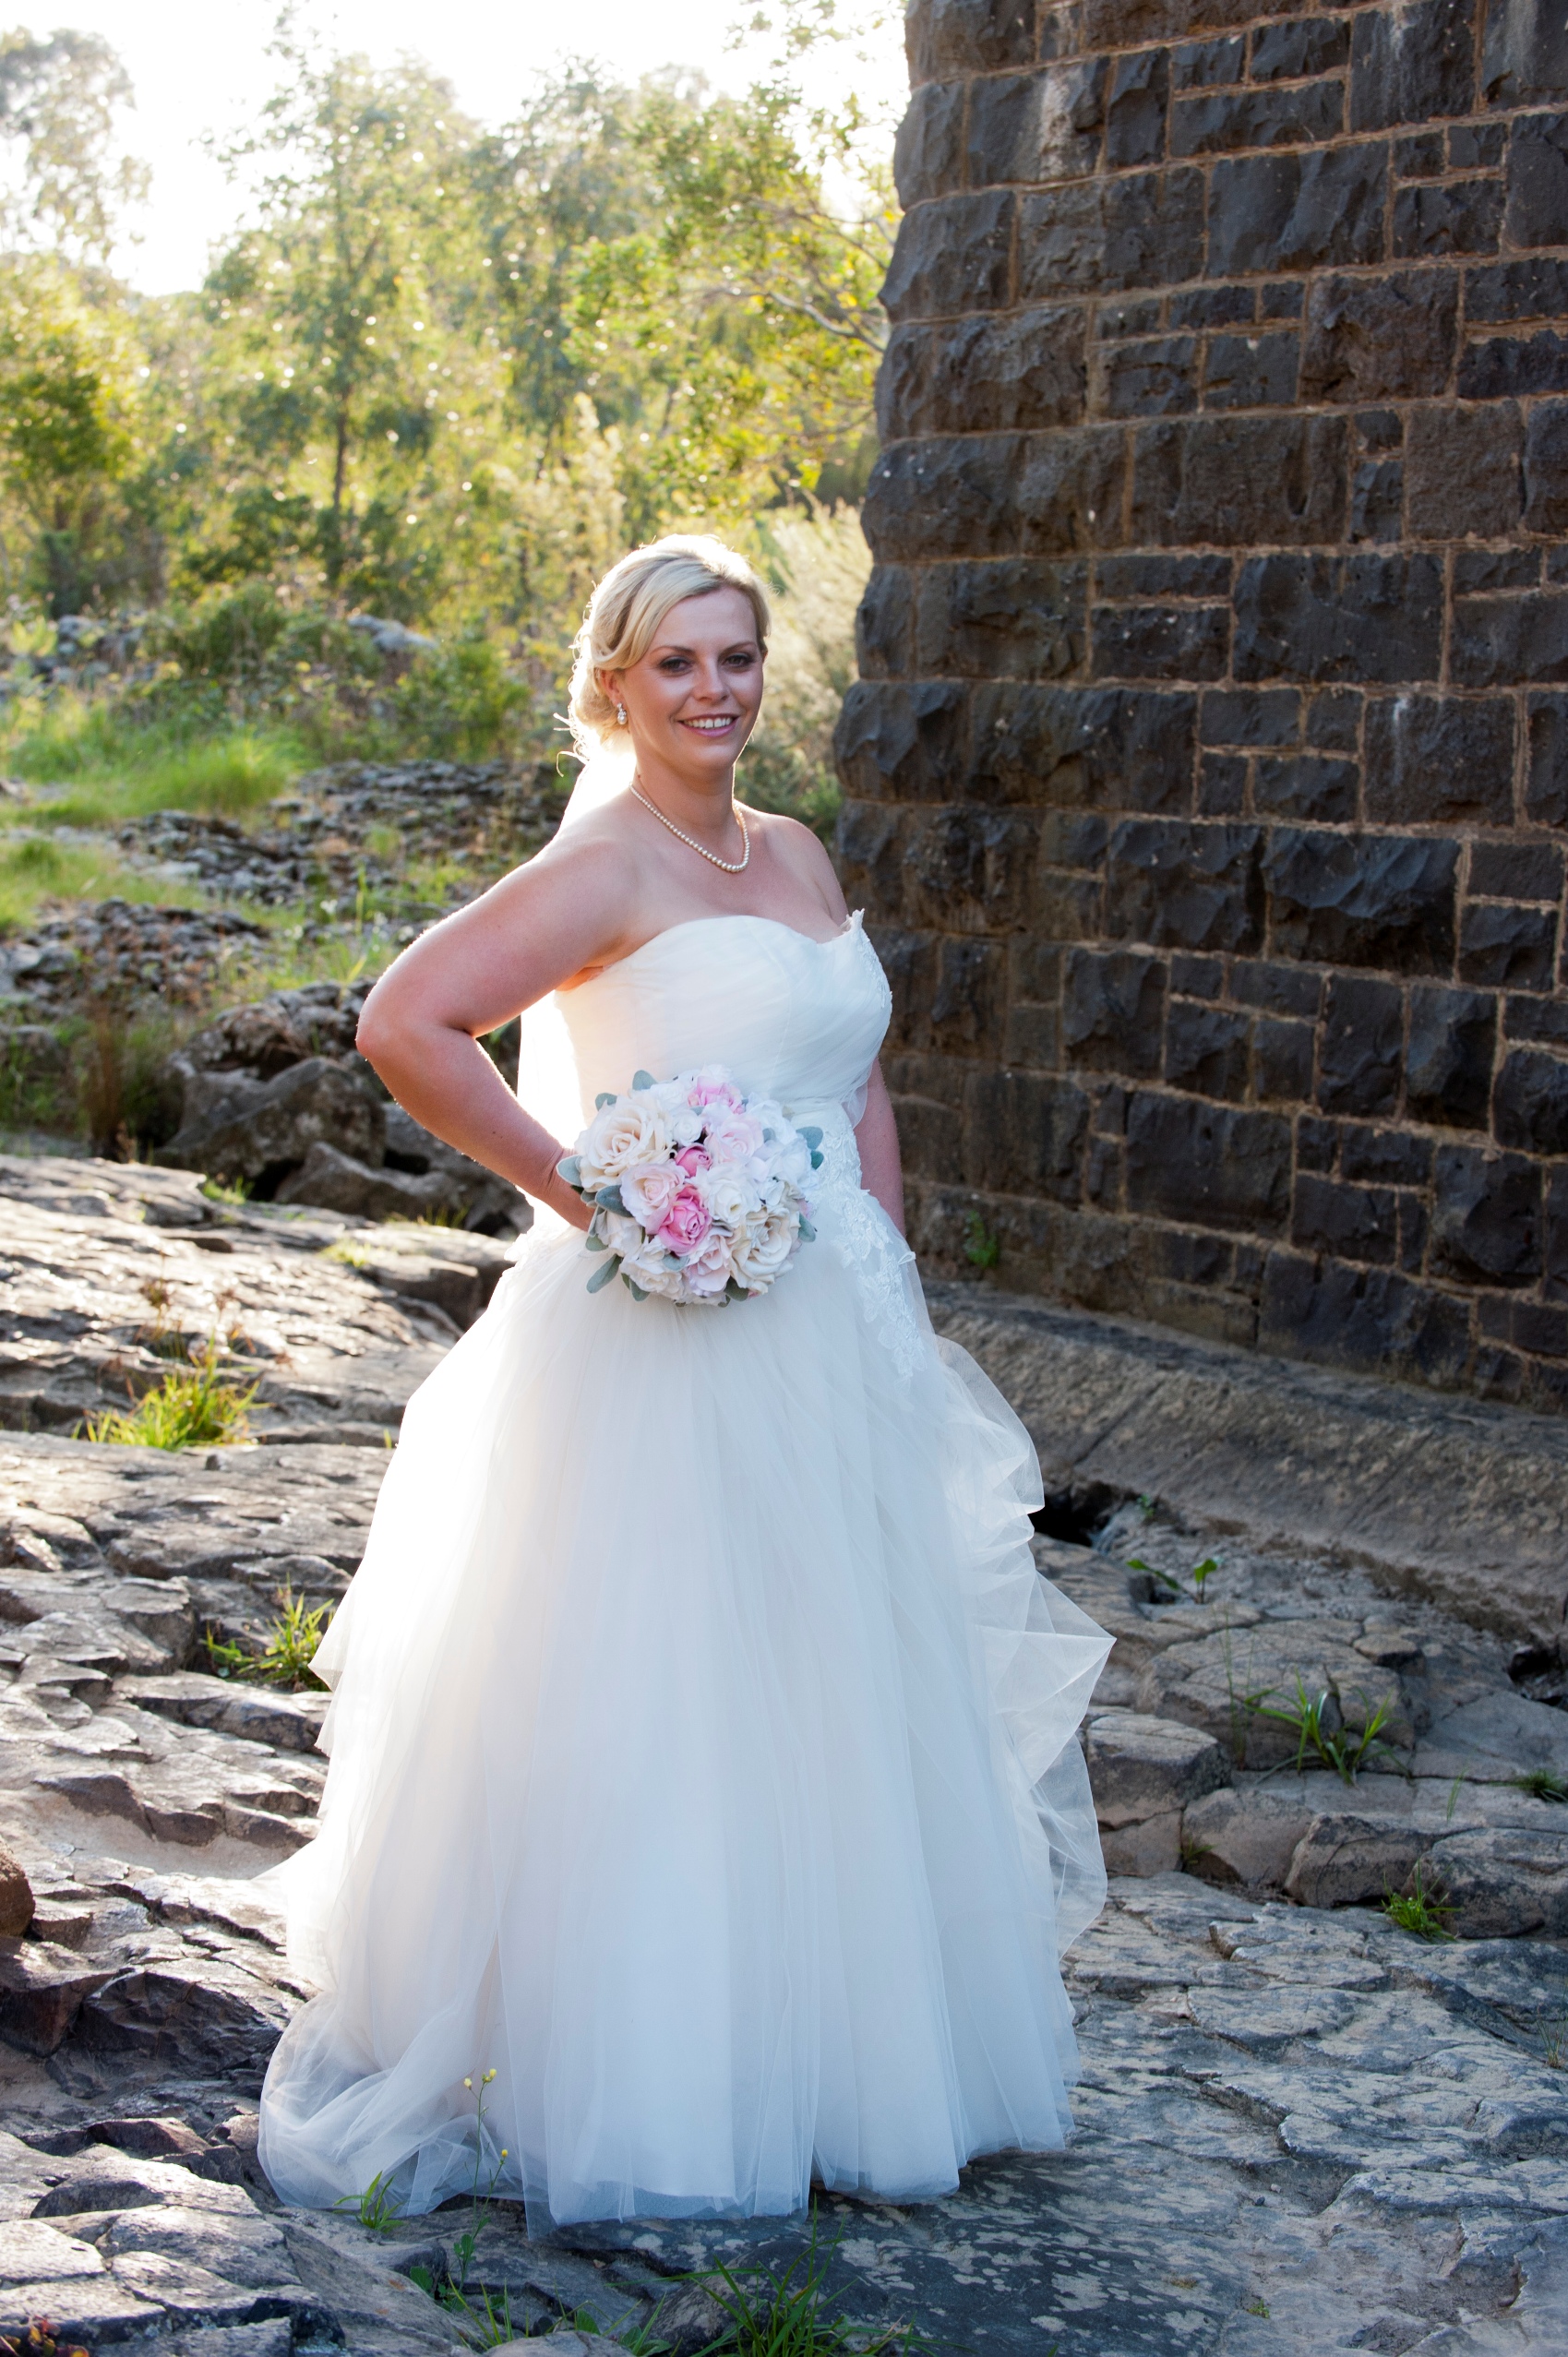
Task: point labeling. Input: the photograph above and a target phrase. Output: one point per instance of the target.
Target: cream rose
(731, 1198)
(764, 1249)
(619, 1136)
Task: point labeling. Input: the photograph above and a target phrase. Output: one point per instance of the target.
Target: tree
(59, 97)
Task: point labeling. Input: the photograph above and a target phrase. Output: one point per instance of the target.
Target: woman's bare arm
(421, 1026)
(877, 1136)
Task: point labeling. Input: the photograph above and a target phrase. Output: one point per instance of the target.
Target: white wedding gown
(703, 1753)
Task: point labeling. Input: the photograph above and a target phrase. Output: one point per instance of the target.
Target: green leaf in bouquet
(734, 1292)
(602, 1276)
(605, 1096)
(609, 1199)
(635, 1290)
(594, 1242)
(643, 1079)
(816, 1162)
(569, 1168)
(807, 1233)
(812, 1137)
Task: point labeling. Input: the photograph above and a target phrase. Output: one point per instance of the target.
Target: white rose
(709, 1271)
(629, 1131)
(650, 1268)
(765, 1250)
(731, 1198)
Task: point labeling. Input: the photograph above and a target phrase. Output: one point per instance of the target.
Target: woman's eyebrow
(741, 646)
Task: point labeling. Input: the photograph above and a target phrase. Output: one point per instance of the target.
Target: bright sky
(197, 67)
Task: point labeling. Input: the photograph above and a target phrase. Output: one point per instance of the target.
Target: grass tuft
(1419, 1909)
(1545, 1783)
(1346, 1752)
(788, 2312)
(291, 1642)
(193, 1408)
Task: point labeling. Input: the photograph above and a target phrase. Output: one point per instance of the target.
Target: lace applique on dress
(871, 1247)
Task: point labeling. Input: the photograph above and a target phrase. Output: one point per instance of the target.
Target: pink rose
(709, 1271)
(685, 1224)
(707, 1089)
(648, 1191)
(693, 1159)
(733, 1137)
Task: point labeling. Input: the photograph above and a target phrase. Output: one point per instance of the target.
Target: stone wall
(1208, 769)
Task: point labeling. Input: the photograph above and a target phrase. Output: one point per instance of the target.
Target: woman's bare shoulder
(802, 852)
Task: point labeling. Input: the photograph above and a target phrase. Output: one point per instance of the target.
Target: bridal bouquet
(697, 1191)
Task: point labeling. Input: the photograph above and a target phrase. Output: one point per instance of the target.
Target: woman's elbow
(377, 1033)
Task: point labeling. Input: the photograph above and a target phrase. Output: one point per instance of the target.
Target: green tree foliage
(58, 101)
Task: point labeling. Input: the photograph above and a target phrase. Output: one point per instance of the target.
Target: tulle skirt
(701, 1766)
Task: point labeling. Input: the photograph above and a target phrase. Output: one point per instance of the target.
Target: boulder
(1343, 1858)
(1244, 1836)
(15, 1898)
(1502, 1882)
(270, 1134)
(261, 1040)
(1499, 1736)
(1141, 1772)
(41, 1992)
(331, 1181)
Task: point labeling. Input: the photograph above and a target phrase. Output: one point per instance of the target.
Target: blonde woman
(704, 1819)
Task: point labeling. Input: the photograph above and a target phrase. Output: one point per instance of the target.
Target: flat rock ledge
(1299, 2127)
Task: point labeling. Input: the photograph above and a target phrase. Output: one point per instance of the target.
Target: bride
(704, 1817)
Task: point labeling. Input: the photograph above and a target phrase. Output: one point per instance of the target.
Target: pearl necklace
(730, 866)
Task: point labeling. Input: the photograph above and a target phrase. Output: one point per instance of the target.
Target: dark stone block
(971, 990)
(1557, 1234)
(870, 839)
(898, 743)
(1385, 1158)
(1476, 570)
(1546, 469)
(1462, 466)
(1108, 748)
(1152, 378)
(1355, 1223)
(1251, 371)
(1206, 1050)
(1537, 289)
(1530, 1103)
(1302, 787)
(1213, 306)
(1160, 642)
(982, 375)
(1125, 578)
(1542, 1019)
(909, 961)
(1505, 365)
(1282, 1060)
(1285, 301)
(1277, 989)
(1461, 217)
(1074, 839)
(1525, 56)
(1366, 901)
(971, 870)
(1516, 871)
(1420, 158)
(1507, 947)
(1448, 1063)
(1218, 123)
(1476, 147)
(1377, 500)
(1504, 642)
(1362, 1049)
(1546, 773)
(1135, 114)
(1317, 1143)
(1197, 978)
(1096, 236)
(1414, 1227)
(1193, 886)
(1207, 65)
(1409, 65)
(1434, 757)
(1297, 211)
(1370, 1321)
(1537, 180)
(927, 156)
(1116, 320)
(1540, 1330)
(1380, 339)
(1250, 716)
(1113, 1008)
(1012, 619)
(1222, 785)
(1372, 617)
(1037, 127)
(968, 36)
(1069, 490)
(884, 626)
(1334, 720)
(1232, 482)
(1486, 1218)
(1304, 45)
(942, 498)
(953, 255)
(1208, 1165)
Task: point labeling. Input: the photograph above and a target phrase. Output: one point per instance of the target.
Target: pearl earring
(620, 716)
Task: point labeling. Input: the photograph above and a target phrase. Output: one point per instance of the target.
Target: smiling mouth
(714, 727)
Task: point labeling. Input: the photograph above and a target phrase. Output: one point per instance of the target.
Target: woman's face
(693, 699)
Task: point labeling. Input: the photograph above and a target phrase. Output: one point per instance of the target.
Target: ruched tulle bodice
(701, 1734)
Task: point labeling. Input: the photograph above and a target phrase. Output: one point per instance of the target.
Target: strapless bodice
(791, 1018)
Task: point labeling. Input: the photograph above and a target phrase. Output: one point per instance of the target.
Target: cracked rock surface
(1300, 2128)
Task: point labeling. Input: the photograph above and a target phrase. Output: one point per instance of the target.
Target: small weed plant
(38, 2341)
(379, 2208)
(1190, 1590)
(982, 1245)
(1545, 1783)
(347, 1253)
(1347, 1750)
(226, 1190)
(194, 1407)
(291, 1646)
(789, 2312)
(1420, 1909)
(1554, 2038)
(483, 2325)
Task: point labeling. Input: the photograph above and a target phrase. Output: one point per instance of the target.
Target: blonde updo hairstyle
(625, 610)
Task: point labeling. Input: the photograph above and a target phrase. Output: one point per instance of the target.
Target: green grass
(788, 2312)
(193, 1408)
(1545, 1783)
(1419, 1909)
(38, 868)
(379, 2210)
(291, 1646)
(1346, 1752)
(114, 772)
